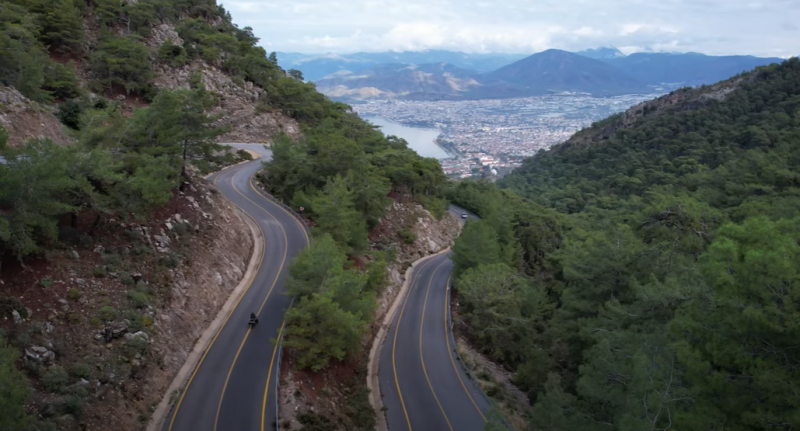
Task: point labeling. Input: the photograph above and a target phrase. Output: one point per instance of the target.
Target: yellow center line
(283, 323)
(269, 374)
(394, 343)
(450, 353)
(263, 303)
(208, 349)
(421, 325)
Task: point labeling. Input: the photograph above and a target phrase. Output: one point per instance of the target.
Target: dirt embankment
(339, 392)
(106, 322)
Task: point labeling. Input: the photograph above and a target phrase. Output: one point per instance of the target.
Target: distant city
(488, 138)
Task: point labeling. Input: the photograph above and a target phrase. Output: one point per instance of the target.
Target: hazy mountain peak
(602, 53)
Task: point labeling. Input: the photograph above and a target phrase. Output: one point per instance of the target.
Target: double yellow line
(241, 345)
(422, 360)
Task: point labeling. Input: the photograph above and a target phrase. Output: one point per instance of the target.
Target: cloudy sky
(757, 27)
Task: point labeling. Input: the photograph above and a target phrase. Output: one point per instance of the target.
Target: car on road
(463, 215)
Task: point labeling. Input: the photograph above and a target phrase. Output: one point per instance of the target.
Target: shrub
(107, 313)
(46, 282)
(81, 370)
(73, 404)
(99, 271)
(69, 113)
(55, 379)
(172, 54)
(136, 345)
(37, 327)
(74, 294)
(139, 298)
(409, 237)
(127, 280)
(112, 259)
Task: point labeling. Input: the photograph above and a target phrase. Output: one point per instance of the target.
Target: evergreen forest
(649, 279)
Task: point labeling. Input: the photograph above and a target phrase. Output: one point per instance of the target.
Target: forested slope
(649, 279)
(145, 90)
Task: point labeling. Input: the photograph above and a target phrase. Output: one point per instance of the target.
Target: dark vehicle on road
(253, 319)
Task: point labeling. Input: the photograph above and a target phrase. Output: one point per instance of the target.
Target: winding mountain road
(233, 386)
(422, 381)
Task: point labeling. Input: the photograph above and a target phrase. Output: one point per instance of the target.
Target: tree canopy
(654, 268)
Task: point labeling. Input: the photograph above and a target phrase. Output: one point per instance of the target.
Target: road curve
(232, 387)
(423, 384)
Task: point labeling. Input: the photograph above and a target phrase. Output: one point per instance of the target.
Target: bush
(74, 294)
(315, 422)
(46, 282)
(99, 271)
(73, 404)
(55, 379)
(112, 259)
(139, 299)
(69, 113)
(37, 327)
(409, 237)
(107, 313)
(81, 370)
(136, 345)
(127, 280)
(172, 54)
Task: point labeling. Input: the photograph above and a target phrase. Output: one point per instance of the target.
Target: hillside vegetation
(649, 280)
(95, 66)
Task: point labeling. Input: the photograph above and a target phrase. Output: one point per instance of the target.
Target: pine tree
(477, 245)
(320, 330)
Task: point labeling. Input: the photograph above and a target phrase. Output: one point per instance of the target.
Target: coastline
(437, 141)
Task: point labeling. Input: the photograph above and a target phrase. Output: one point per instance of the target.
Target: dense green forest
(649, 281)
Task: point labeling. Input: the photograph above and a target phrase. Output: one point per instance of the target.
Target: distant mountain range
(316, 67)
(438, 75)
(385, 81)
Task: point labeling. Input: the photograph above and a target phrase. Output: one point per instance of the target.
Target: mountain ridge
(601, 72)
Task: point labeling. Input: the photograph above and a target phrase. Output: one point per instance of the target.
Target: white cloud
(524, 26)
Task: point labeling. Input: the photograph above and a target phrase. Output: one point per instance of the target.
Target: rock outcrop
(25, 119)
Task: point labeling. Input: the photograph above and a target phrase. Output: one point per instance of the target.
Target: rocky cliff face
(25, 119)
(430, 236)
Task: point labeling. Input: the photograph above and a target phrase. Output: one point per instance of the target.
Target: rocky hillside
(25, 119)
(105, 323)
(126, 52)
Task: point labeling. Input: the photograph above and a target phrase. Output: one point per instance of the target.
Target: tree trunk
(94, 224)
(73, 222)
(183, 168)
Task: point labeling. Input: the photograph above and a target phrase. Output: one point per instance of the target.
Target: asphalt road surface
(233, 386)
(422, 381)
